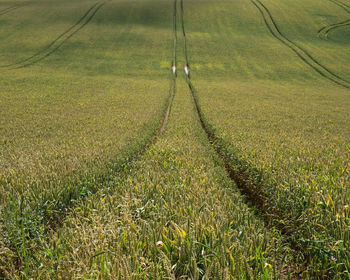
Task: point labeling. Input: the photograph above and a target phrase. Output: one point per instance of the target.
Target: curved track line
(299, 51)
(54, 41)
(142, 146)
(325, 30)
(9, 9)
(254, 192)
(342, 5)
(59, 41)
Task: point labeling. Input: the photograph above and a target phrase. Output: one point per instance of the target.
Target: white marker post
(174, 69)
(187, 71)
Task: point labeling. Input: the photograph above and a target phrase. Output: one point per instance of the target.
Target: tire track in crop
(139, 148)
(242, 183)
(325, 30)
(342, 5)
(173, 81)
(53, 219)
(253, 190)
(60, 40)
(299, 51)
(9, 9)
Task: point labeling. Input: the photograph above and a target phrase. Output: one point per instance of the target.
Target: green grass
(287, 132)
(79, 114)
(172, 213)
(83, 90)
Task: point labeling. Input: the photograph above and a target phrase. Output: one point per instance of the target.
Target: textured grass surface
(82, 95)
(70, 113)
(81, 112)
(172, 214)
(289, 132)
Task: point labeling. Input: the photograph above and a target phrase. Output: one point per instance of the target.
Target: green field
(113, 167)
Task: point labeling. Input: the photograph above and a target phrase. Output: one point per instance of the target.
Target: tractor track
(59, 41)
(257, 199)
(152, 140)
(325, 30)
(298, 50)
(9, 9)
(342, 5)
(52, 222)
(173, 82)
(253, 191)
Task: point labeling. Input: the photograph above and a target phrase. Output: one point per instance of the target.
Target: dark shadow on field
(144, 12)
(342, 36)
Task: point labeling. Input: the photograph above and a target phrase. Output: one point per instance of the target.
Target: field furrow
(325, 31)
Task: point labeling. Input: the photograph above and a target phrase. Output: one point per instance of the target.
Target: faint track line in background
(325, 30)
(59, 41)
(173, 80)
(138, 150)
(299, 51)
(9, 9)
(344, 6)
(252, 194)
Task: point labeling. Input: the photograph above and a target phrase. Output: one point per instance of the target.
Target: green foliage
(87, 192)
(287, 135)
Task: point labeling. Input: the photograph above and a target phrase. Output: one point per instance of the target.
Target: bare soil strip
(299, 51)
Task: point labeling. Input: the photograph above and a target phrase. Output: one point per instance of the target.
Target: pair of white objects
(187, 70)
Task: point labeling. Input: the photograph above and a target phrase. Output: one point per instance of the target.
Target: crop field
(175, 139)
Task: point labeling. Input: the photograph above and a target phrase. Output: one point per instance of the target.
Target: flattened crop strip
(59, 41)
(299, 51)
